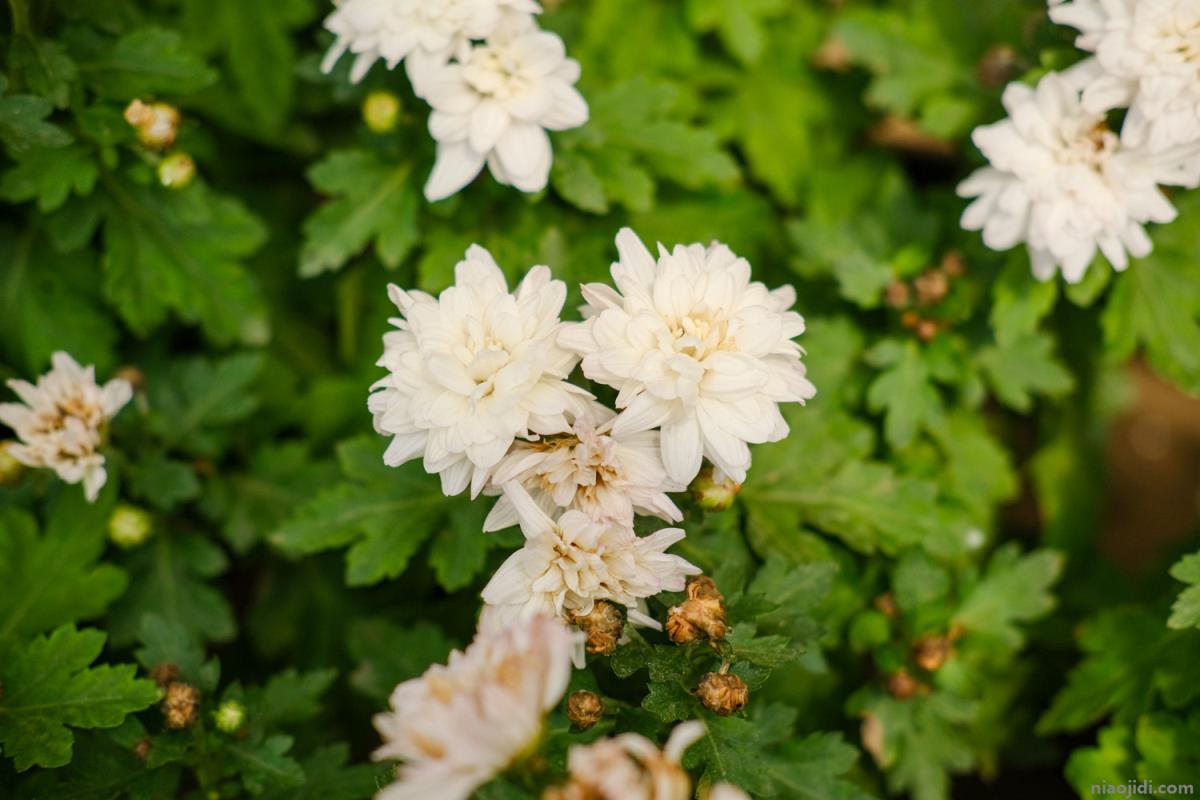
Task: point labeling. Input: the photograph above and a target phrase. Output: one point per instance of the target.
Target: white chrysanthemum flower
(630, 767)
(422, 33)
(494, 107)
(590, 470)
(1147, 59)
(471, 370)
(693, 345)
(62, 422)
(1064, 184)
(459, 725)
(565, 567)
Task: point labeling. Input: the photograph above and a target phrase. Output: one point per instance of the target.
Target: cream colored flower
(630, 767)
(460, 725)
(696, 347)
(62, 423)
(472, 370)
(589, 469)
(569, 564)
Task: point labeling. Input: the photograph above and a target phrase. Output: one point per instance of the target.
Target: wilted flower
(696, 347)
(63, 420)
(495, 107)
(460, 725)
(180, 704)
(629, 767)
(567, 566)
(1064, 184)
(584, 709)
(723, 693)
(590, 470)
(1147, 59)
(423, 33)
(471, 370)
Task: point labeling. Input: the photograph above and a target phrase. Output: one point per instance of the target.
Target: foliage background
(947, 485)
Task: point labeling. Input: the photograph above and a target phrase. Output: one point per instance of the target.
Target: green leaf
(102, 769)
(266, 766)
(813, 768)
(1022, 368)
(146, 62)
(50, 177)
(1110, 762)
(50, 687)
(1013, 589)
(1020, 302)
(737, 750)
(460, 548)
(328, 777)
(764, 651)
(45, 67)
(181, 251)
(164, 642)
(290, 697)
(23, 125)
(163, 482)
(741, 24)
(387, 516)
(194, 400)
(388, 654)
(904, 390)
(53, 578)
(1186, 611)
(373, 201)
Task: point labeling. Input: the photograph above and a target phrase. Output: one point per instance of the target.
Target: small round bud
(229, 716)
(164, 674)
(603, 627)
(953, 264)
(932, 287)
(927, 330)
(129, 526)
(898, 294)
(10, 469)
(931, 652)
(381, 111)
(712, 494)
(157, 124)
(832, 55)
(177, 171)
(902, 685)
(886, 603)
(723, 693)
(180, 705)
(141, 750)
(910, 320)
(584, 709)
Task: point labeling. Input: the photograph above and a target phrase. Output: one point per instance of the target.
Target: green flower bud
(229, 716)
(177, 171)
(129, 526)
(381, 112)
(711, 494)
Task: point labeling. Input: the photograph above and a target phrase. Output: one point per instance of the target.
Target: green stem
(20, 17)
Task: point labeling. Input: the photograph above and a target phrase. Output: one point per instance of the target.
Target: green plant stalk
(20, 17)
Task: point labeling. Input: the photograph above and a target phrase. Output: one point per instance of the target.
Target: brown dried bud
(701, 616)
(910, 320)
(953, 264)
(931, 652)
(832, 55)
(584, 709)
(603, 627)
(902, 685)
(142, 749)
(927, 330)
(932, 287)
(723, 693)
(886, 604)
(997, 67)
(165, 673)
(180, 705)
(898, 294)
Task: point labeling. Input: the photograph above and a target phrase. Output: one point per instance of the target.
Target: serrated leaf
(266, 765)
(741, 24)
(145, 62)
(194, 400)
(51, 687)
(45, 67)
(328, 776)
(1185, 613)
(904, 390)
(164, 642)
(50, 177)
(374, 201)
(23, 125)
(163, 482)
(388, 654)
(1022, 368)
(1013, 589)
(290, 697)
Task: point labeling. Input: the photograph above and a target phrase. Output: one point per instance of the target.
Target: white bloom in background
(422, 33)
(696, 347)
(1064, 184)
(471, 370)
(727, 791)
(494, 105)
(630, 767)
(1147, 59)
(568, 565)
(459, 725)
(590, 470)
(62, 422)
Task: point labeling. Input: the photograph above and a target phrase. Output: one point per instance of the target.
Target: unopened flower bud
(886, 604)
(141, 750)
(164, 674)
(229, 716)
(927, 330)
(931, 652)
(932, 287)
(157, 124)
(603, 627)
(723, 693)
(902, 685)
(701, 616)
(584, 709)
(898, 294)
(129, 526)
(381, 111)
(177, 171)
(953, 264)
(10, 468)
(712, 494)
(180, 705)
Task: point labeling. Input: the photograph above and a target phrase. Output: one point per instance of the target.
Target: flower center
(495, 72)
(1092, 148)
(699, 334)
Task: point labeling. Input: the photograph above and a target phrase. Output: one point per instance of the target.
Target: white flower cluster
(478, 387)
(496, 82)
(61, 422)
(1064, 184)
